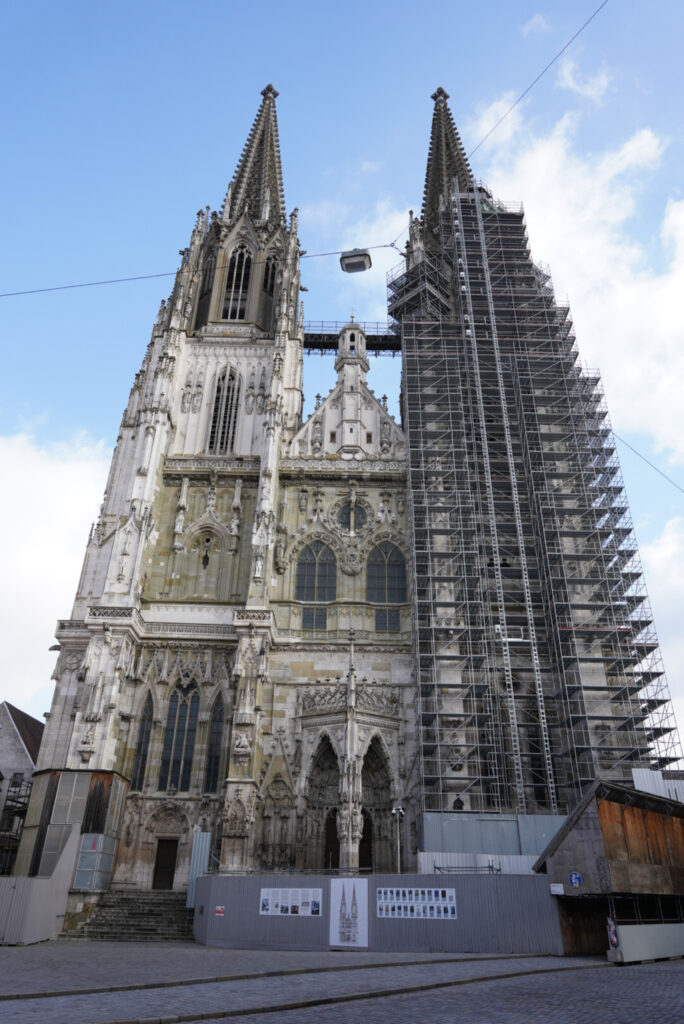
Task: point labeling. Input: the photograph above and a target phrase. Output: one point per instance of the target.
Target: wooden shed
(617, 868)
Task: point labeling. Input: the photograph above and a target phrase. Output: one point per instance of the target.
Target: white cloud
(664, 564)
(591, 88)
(538, 23)
(362, 294)
(487, 117)
(52, 494)
(627, 314)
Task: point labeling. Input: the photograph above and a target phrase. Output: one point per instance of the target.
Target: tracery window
(270, 273)
(237, 284)
(214, 755)
(352, 517)
(225, 412)
(386, 584)
(140, 762)
(179, 739)
(316, 582)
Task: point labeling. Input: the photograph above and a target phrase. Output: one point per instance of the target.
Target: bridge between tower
(321, 337)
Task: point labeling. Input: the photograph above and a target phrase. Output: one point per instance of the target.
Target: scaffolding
(12, 820)
(537, 662)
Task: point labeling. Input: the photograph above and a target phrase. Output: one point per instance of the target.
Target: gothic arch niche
(376, 794)
(278, 821)
(323, 797)
(166, 839)
(205, 573)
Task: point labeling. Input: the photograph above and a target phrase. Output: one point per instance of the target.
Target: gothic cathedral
(240, 647)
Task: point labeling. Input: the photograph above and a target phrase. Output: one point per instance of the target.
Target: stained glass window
(316, 582)
(179, 739)
(386, 584)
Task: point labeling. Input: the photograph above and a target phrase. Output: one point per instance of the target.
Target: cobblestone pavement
(342, 987)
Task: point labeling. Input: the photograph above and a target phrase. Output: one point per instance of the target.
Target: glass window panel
(190, 743)
(83, 879)
(214, 755)
(321, 618)
(177, 757)
(393, 620)
(168, 741)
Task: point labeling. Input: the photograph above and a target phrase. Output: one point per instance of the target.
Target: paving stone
(572, 990)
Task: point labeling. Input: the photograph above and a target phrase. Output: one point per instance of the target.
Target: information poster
(417, 904)
(349, 912)
(290, 902)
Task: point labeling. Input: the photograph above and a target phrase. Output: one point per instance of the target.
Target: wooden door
(165, 864)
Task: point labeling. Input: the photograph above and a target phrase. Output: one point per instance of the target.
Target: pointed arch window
(224, 416)
(237, 284)
(214, 756)
(205, 289)
(179, 739)
(141, 750)
(270, 273)
(386, 584)
(316, 582)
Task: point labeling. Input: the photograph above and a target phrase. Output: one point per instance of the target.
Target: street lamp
(398, 813)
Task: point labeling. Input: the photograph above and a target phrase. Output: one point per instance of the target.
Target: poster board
(416, 903)
(349, 913)
(290, 902)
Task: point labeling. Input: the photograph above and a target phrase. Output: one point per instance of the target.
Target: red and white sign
(220, 912)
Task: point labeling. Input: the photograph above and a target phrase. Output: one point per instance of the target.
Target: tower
(201, 676)
(284, 628)
(537, 663)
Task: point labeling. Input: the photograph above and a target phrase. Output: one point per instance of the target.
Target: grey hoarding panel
(495, 914)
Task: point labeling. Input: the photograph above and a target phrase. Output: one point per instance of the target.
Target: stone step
(145, 915)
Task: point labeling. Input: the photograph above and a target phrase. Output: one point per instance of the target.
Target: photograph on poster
(291, 902)
(417, 904)
(349, 912)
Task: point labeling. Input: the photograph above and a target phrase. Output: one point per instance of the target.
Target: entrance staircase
(152, 915)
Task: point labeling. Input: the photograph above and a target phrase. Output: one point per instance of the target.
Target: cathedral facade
(240, 644)
(312, 638)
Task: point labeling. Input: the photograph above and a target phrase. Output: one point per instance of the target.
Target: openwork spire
(258, 182)
(446, 160)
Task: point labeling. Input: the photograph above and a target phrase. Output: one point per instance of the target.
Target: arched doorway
(323, 796)
(375, 849)
(366, 843)
(331, 850)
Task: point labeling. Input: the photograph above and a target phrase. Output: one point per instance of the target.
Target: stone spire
(446, 160)
(258, 182)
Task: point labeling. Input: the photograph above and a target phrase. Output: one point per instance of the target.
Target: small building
(20, 736)
(617, 868)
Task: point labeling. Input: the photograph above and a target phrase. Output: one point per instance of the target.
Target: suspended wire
(649, 463)
(172, 273)
(540, 75)
(335, 252)
(87, 284)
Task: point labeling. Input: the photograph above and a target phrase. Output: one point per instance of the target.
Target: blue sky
(121, 121)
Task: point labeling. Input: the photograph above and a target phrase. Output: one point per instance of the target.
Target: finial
(269, 91)
(440, 94)
(351, 317)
